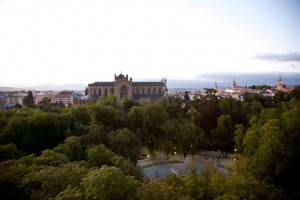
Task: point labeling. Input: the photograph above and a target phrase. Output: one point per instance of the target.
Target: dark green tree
(154, 116)
(49, 181)
(28, 100)
(209, 115)
(187, 138)
(109, 183)
(71, 148)
(186, 96)
(223, 134)
(86, 92)
(157, 190)
(125, 143)
(239, 135)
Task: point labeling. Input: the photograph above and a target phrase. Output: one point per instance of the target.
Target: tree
(50, 181)
(295, 93)
(193, 115)
(37, 131)
(99, 155)
(123, 142)
(187, 138)
(107, 115)
(135, 118)
(86, 92)
(28, 100)
(12, 173)
(272, 156)
(232, 107)
(223, 134)
(44, 104)
(174, 107)
(51, 158)
(186, 96)
(9, 151)
(169, 142)
(109, 183)
(239, 134)
(127, 104)
(156, 190)
(209, 116)
(109, 100)
(255, 108)
(154, 116)
(72, 148)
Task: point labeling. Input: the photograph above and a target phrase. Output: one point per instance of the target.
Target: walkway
(216, 157)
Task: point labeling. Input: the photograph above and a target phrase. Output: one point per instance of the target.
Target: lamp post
(234, 155)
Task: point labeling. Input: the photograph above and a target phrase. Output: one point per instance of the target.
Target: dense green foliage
(90, 151)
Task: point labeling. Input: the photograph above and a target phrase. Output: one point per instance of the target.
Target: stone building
(280, 84)
(124, 86)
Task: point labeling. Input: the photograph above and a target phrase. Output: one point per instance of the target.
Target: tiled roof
(64, 94)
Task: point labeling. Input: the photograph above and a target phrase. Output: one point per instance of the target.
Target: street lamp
(234, 155)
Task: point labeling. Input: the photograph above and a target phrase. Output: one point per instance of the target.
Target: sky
(84, 41)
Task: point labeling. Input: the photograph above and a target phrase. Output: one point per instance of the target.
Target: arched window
(159, 90)
(137, 90)
(154, 90)
(112, 90)
(143, 90)
(94, 92)
(148, 90)
(105, 91)
(99, 91)
(123, 91)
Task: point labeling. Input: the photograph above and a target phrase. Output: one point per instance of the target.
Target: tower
(233, 84)
(280, 84)
(216, 86)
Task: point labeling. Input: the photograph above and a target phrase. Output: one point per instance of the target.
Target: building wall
(122, 85)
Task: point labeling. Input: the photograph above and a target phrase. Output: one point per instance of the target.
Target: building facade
(64, 97)
(280, 84)
(124, 86)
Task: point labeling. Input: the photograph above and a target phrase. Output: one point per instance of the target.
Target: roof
(148, 83)
(133, 84)
(102, 84)
(64, 94)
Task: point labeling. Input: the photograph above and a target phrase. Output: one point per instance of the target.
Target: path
(217, 157)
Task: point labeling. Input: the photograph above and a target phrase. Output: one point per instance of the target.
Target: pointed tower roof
(216, 86)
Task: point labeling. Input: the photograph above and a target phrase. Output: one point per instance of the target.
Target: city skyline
(63, 42)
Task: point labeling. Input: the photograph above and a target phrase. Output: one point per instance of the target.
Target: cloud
(279, 57)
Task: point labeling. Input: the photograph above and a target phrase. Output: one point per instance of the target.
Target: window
(112, 90)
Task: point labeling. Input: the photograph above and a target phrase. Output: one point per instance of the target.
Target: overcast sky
(83, 41)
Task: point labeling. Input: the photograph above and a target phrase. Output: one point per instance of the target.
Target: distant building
(233, 84)
(2, 101)
(122, 86)
(216, 86)
(280, 84)
(65, 97)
